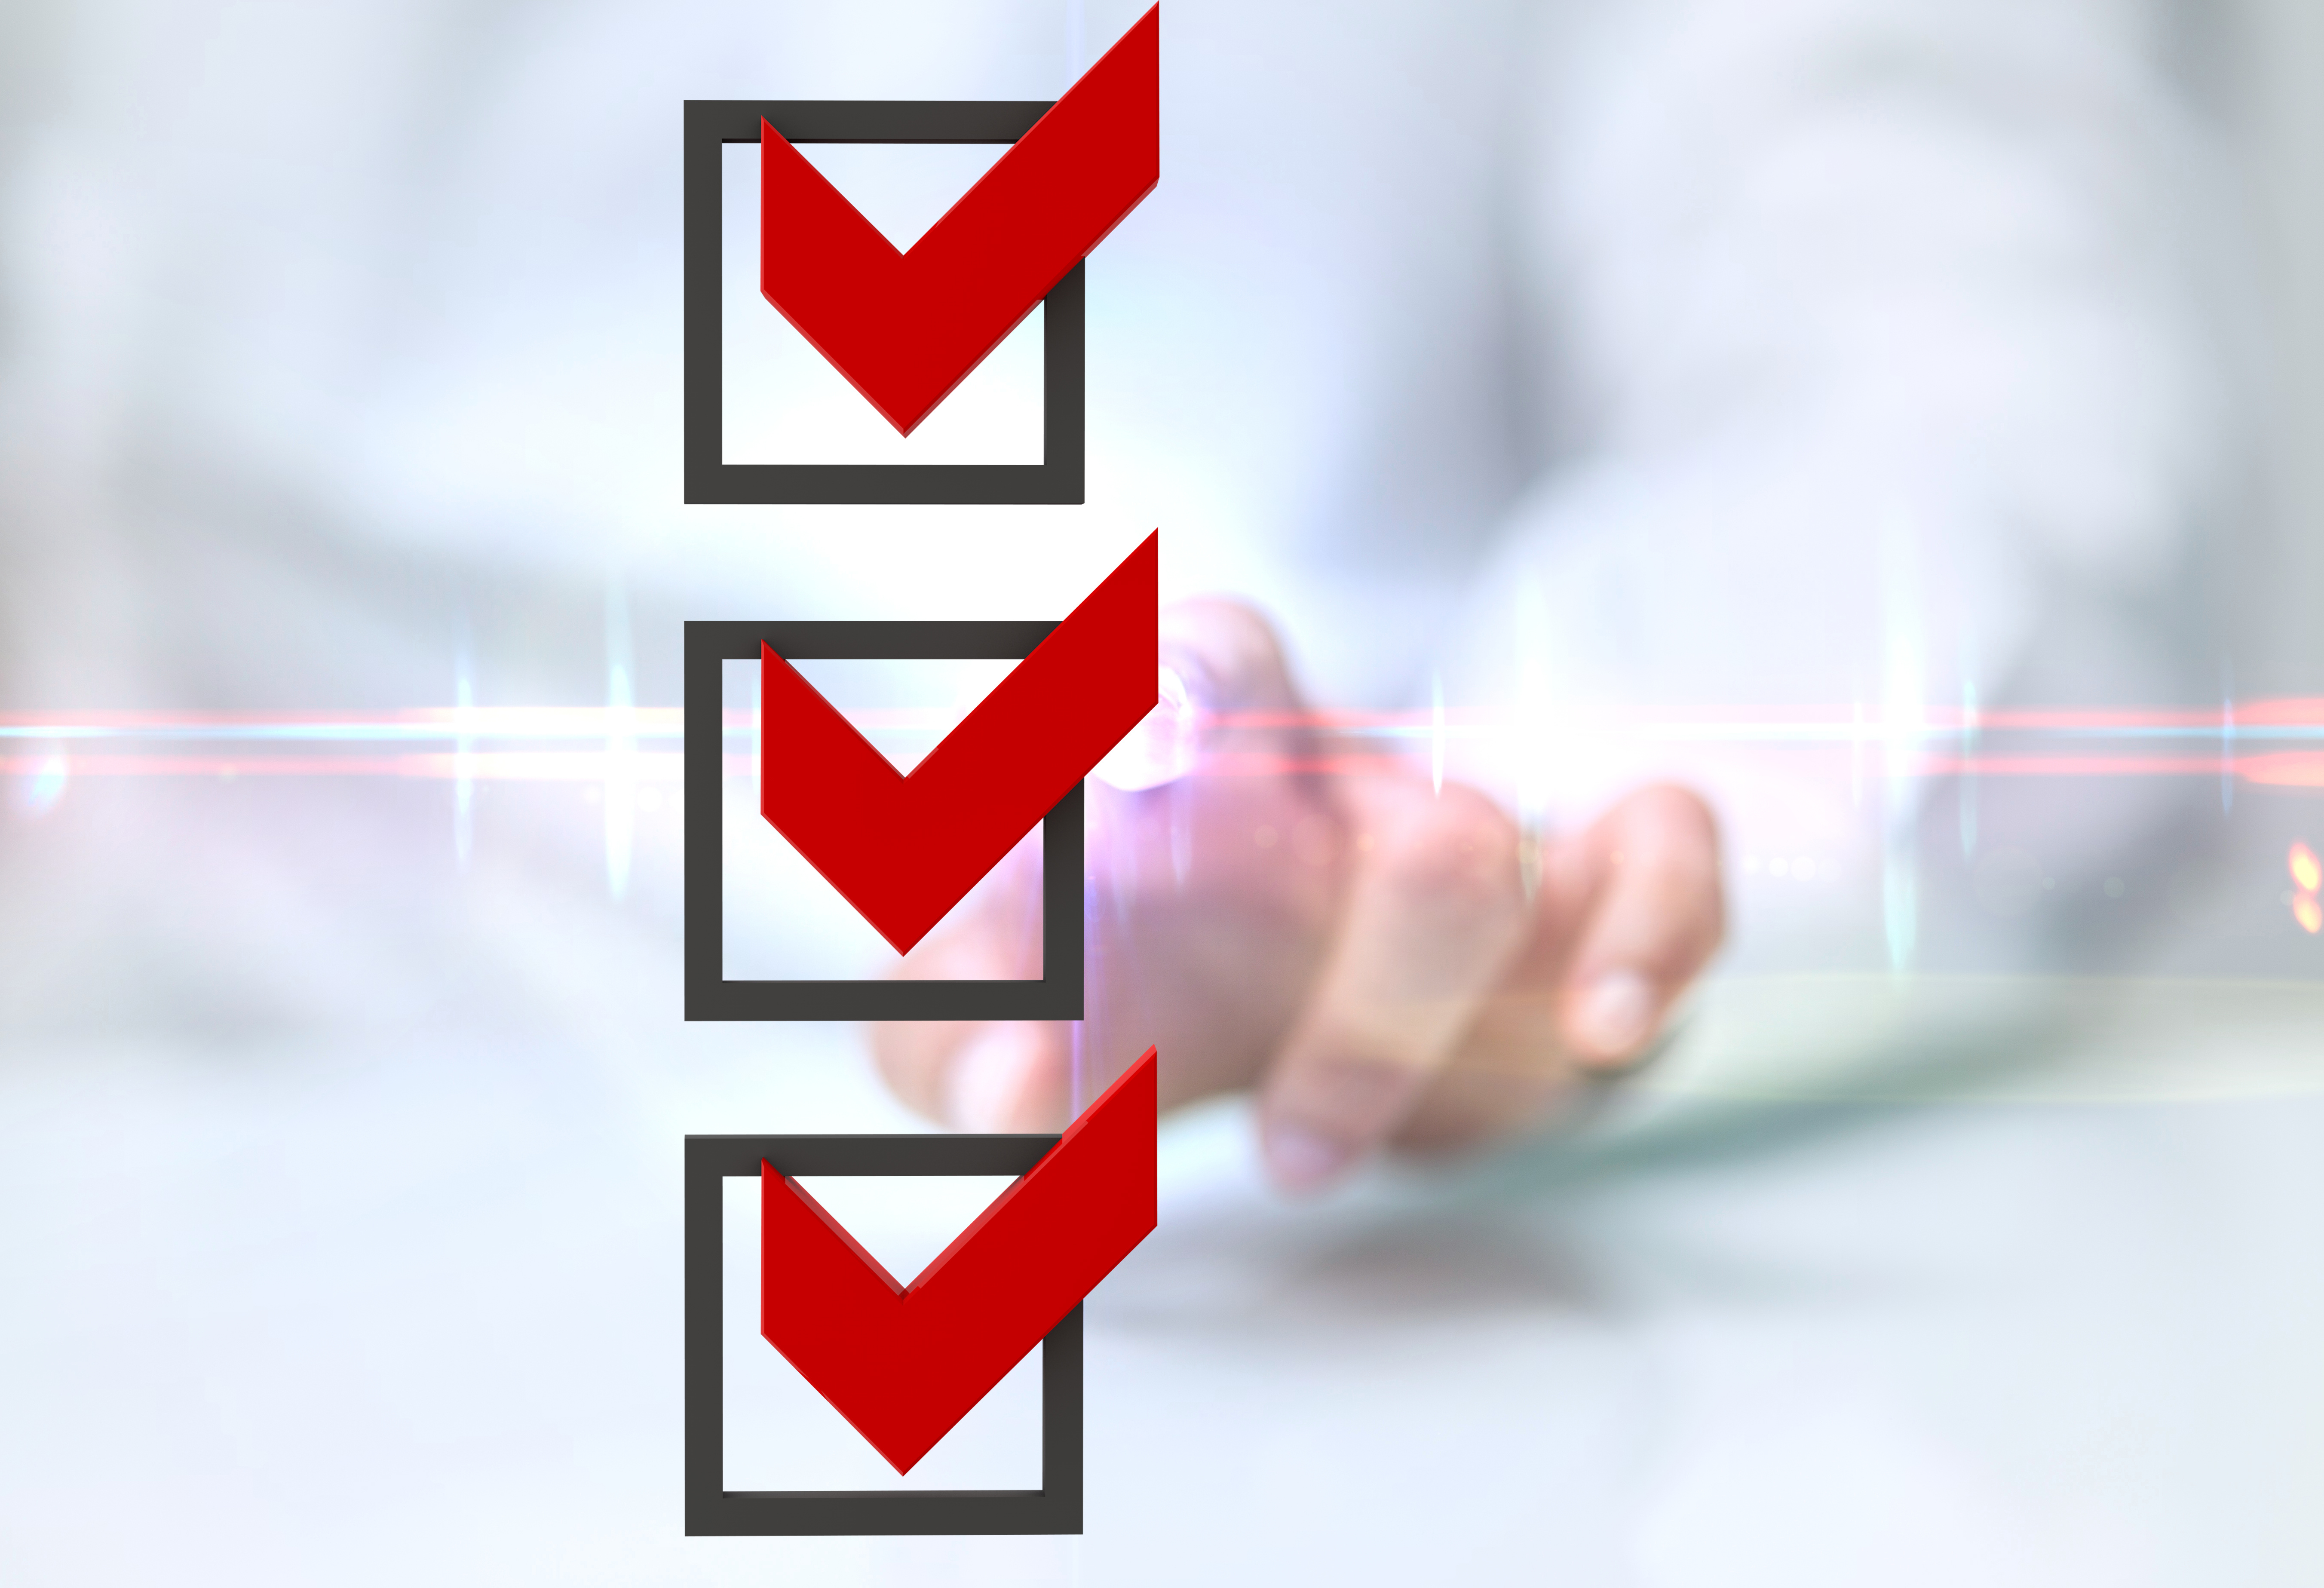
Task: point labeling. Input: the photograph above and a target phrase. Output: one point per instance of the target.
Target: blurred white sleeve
(1885, 381)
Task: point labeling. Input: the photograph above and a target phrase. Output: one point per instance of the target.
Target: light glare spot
(38, 794)
(1163, 747)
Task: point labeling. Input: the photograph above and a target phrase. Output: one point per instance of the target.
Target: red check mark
(905, 328)
(904, 1363)
(904, 850)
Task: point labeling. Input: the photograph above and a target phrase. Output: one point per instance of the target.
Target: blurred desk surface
(1920, 1281)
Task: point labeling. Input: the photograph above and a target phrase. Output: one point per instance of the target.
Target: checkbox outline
(710, 994)
(714, 1509)
(1058, 479)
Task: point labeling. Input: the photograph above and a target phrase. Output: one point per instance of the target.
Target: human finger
(1225, 675)
(1656, 912)
(1510, 1068)
(1433, 913)
(983, 1076)
(1516, 1065)
(977, 1075)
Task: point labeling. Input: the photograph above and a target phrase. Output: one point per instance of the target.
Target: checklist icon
(905, 326)
(903, 848)
(904, 1363)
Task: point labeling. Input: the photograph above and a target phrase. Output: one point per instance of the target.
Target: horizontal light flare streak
(422, 726)
(1820, 728)
(93, 737)
(2283, 770)
(448, 724)
(667, 766)
(2303, 716)
(651, 766)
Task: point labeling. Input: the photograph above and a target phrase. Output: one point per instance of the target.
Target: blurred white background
(340, 1121)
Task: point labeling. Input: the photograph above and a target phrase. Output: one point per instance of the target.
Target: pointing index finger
(1435, 913)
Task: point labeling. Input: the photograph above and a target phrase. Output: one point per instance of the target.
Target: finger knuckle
(1235, 645)
(1673, 812)
(1460, 848)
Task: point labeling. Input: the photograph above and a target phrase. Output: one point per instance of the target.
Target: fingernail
(1301, 1160)
(986, 1087)
(1616, 1014)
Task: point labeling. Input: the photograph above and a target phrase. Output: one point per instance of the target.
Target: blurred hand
(1358, 948)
